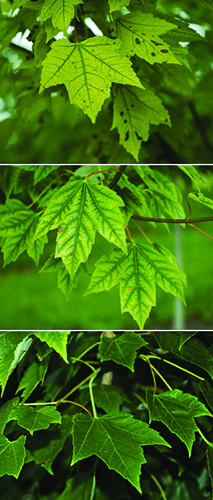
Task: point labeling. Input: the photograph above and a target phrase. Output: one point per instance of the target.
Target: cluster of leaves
(114, 419)
(146, 60)
(78, 201)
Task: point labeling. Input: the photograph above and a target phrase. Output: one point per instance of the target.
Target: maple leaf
(134, 111)
(81, 207)
(138, 272)
(139, 34)
(117, 4)
(87, 69)
(61, 11)
(177, 411)
(117, 440)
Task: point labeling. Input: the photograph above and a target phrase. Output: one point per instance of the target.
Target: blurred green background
(32, 300)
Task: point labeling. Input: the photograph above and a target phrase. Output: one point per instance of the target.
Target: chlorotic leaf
(121, 349)
(12, 456)
(18, 228)
(138, 272)
(177, 410)
(61, 12)
(87, 69)
(139, 32)
(134, 110)
(201, 199)
(80, 207)
(56, 340)
(116, 439)
(193, 173)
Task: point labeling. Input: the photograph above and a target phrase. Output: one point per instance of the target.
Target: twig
(172, 221)
(118, 175)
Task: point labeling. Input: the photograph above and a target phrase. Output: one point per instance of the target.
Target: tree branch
(172, 221)
(118, 175)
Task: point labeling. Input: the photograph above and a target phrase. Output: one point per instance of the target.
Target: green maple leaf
(34, 374)
(18, 227)
(164, 196)
(139, 35)
(87, 69)
(117, 4)
(42, 172)
(56, 340)
(80, 207)
(122, 350)
(193, 351)
(61, 12)
(193, 173)
(108, 397)
(134, 111)
(201, 199)
(64, 280)
(12, 455)
(13, 346)
(116, 439)
(177, 411)
(138, 273)
(35, 420)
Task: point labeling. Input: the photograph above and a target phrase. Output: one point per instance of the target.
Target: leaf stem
(77, 404)
(201, 231)
(142, 232)
(75, 388)
(183, 369)
(84, 362)
(87, 350)
(161, 376)
(204, 438)
(76, 36)
(128, 231)
(159, 486)
(100, 171)
(172, 221)
(115, 179)
(173, 364)
(91, 393)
